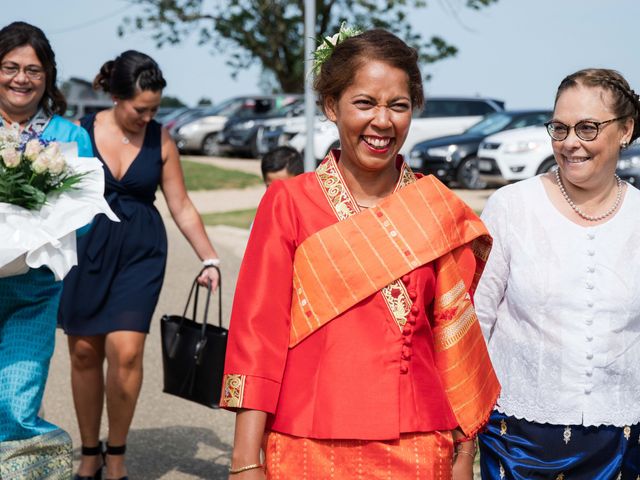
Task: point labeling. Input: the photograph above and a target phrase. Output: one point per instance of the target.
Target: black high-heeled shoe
(90, 452)
(119, 450)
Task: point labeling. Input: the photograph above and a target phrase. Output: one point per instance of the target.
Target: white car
(514, 155)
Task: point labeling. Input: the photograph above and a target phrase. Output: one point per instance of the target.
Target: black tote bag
(193, 353)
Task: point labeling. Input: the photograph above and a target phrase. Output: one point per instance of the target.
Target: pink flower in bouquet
(41, 163)
(10, 136)
(10, 157)
(32, 149)
(55, 164)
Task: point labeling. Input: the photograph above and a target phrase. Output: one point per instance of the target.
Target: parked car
(454, 158)
(185, 116)
(201, 133)
(440, 116)
(629, 164)
(198, 130)
(242, 134)
(166, 114)
(515, 155)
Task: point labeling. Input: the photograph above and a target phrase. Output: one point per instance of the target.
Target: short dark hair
(20, 34)
(338, 71)
(280, 158)
(626, 102)
(130, 73)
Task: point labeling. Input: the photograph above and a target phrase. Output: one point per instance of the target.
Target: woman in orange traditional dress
(354, 349)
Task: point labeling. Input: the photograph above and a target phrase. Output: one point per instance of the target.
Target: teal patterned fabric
(45, 457)
(28, 309)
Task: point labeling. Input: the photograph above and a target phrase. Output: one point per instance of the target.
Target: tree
(204, 102)
(169, 101)
(271, 32)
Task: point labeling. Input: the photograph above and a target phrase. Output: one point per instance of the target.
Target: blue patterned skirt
(28, 312)
(520, 450)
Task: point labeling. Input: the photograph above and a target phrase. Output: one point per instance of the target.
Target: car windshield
(228, 107)
(492, 123)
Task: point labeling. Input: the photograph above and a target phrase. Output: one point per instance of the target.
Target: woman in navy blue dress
(109, 298)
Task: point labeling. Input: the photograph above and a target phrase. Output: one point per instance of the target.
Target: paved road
(171, 438)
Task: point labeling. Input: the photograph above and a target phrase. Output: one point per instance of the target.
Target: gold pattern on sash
(344, 205)
(560, 477)
(566, 436)
(502, 472)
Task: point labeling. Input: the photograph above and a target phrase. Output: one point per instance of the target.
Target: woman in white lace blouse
(559, 302)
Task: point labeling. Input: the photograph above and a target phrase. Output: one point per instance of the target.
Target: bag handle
(195, 287)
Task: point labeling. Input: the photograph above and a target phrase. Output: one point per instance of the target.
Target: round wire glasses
(586, 130)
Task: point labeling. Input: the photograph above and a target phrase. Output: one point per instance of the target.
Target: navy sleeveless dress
(120, 270)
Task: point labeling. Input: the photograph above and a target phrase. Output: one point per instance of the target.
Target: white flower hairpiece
(329, 43)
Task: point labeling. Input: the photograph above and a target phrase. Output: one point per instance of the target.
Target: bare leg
(124, 351)
(87, 385)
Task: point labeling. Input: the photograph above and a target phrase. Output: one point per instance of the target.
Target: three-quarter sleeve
(261, 315)
(493, 283)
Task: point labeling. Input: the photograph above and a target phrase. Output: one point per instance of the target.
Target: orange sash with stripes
(368, 251)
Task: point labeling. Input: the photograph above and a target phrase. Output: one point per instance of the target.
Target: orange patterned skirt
(415, 456)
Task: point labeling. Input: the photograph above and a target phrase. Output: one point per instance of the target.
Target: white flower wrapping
(47, 237)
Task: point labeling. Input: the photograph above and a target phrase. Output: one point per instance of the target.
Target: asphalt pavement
(172, 438)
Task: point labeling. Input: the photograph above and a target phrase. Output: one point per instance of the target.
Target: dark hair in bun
(130, 73)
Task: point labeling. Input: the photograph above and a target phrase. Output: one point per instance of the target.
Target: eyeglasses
(585, 130)
(10, 70)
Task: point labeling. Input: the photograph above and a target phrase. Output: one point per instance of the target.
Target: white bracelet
(211, 262)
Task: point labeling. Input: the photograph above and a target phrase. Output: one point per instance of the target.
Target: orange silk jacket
(369, 373)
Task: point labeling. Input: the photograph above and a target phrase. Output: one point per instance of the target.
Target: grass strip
(234, 218)
(200, 176)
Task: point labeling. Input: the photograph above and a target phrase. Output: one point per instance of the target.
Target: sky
(517, 51)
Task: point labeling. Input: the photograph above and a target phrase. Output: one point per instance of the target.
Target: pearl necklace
(580, 212)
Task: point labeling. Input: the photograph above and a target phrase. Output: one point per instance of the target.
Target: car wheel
(547, 165)
(468, 174)
(210, 145)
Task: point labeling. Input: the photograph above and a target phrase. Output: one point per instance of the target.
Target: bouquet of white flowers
(46, 193)
(32, 168)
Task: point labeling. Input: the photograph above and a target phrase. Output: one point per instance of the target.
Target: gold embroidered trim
(233, 390)
(481, 249)
(566, 436)
(452, 295)
(627, 432)
(344, 205)
(335, 189)
(503, 427)
(452, 333)
(398, 301)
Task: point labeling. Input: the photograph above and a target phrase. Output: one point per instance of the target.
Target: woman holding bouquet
(30, 447)
(354, 350)
(108, 300)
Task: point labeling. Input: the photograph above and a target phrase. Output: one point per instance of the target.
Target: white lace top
(559, 305)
